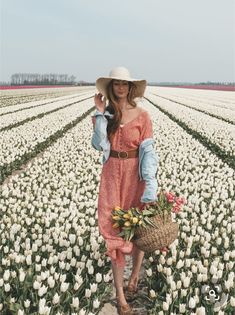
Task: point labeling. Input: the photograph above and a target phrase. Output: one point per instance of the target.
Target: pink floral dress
(120, 185)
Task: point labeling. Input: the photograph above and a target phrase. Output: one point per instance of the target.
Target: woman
(119, 130)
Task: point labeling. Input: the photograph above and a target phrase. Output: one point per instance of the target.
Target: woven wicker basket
(150, 238)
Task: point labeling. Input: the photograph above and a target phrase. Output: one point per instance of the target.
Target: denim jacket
(148, 158)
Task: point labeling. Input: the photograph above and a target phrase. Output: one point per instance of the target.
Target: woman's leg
(118, 273)
(137, 259)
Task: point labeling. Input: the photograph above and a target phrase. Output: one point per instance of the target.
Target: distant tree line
(189, 83)
(42, 79)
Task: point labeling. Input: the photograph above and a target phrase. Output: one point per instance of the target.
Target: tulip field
(52, 257)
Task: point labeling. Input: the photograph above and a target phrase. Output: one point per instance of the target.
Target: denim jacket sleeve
(99, 140)
(148, 165)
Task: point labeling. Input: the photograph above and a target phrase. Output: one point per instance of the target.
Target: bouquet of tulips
(132, 220)
(129, 220)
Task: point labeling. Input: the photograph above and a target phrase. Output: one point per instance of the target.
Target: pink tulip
(170, 197)
(164, 249)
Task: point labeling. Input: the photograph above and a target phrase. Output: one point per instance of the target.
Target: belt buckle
(122, 157)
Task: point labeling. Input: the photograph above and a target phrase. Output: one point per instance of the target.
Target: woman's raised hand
(99, 103)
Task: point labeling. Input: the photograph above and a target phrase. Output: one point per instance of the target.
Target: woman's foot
(124, 308)
(132, 288)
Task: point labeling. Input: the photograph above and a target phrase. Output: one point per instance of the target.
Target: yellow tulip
(135, 220)
(126, 216)
(117, 208)
(116, 225)
(116, 217)
(140, 222)
(127, 223)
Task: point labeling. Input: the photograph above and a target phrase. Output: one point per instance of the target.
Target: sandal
(131, 291)
(125, 310)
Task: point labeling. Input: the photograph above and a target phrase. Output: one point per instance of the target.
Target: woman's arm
(148, 162)
(99, 137)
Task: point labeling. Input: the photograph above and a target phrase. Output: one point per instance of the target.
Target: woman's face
(120, 88)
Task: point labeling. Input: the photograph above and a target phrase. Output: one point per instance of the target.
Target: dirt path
(109, 308)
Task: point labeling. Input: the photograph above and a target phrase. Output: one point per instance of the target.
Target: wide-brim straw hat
(120, 73)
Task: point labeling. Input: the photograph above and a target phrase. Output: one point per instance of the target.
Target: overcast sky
(158, 40)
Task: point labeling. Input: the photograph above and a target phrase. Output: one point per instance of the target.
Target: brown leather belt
(124, 154)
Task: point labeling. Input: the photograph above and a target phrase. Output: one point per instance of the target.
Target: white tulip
(27, 303)
(179, 284)
(183, 293)
(214, 251)
(192, 302)
(149, 272)
(29, 260)
(56, 275)
(75, 303)
(87, 293)
(62, 277)
(187, 262)
(201, 311)
(182, 308)
(7, 287)
(56, 299)
(22, 275)
(152, 293)
(213, 270)
(36, 285)
(42, 290)
(96, 303)
(82, 312)
(165, 306)
(91, 270)
(169, 261)
(64, 286)
(42, 303)
(162, 260)
(20, 312)
(6, 275)
(73, 262)
(199, 277)
(51, 282)
(173, 286)
(93, 287)
(226, 256)
(98, 277)
(204, 277)
(232, 301)
(106, 278)
(180, 264)
(186, 282)
(62, 265)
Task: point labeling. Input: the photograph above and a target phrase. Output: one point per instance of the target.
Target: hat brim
(102, 84)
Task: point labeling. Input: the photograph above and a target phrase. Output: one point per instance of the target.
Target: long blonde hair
(114, 108)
